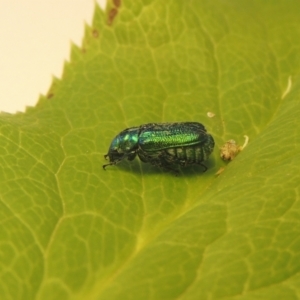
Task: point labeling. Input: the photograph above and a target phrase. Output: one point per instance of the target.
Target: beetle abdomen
(191, 154)
(186, 155)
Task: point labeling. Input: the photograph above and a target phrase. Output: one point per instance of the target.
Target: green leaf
(70, 230)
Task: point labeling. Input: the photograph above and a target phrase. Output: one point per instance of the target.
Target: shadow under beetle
(165, 145)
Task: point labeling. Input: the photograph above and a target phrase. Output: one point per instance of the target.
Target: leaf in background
(70, 230)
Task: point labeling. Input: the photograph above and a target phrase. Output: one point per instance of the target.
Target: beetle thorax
(127, 141)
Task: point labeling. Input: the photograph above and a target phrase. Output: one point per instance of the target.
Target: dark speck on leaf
(117, 3)
(50, 95)
(111, 15)
(95, 33)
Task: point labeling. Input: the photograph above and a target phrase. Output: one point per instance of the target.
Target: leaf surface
(70, 230)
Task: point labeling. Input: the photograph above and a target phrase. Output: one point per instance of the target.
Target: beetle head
(124, 145)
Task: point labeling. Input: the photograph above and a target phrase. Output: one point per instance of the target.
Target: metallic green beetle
(166, 145)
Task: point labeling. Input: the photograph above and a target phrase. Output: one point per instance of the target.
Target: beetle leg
(204, 167)
(104, 166)
(111, 164)
(129, 156)
(167, 164)
(169, 168)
